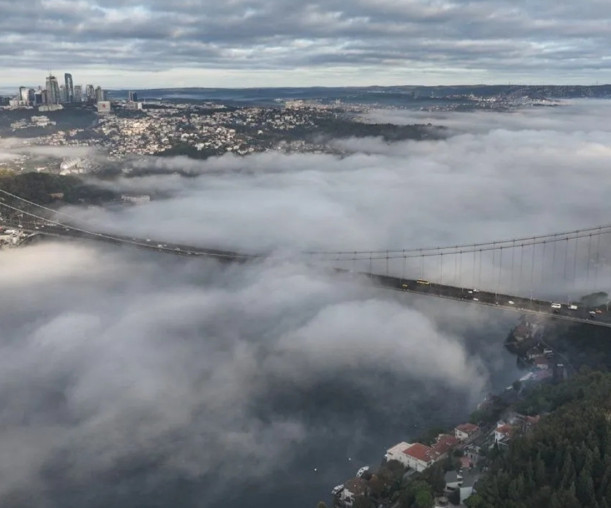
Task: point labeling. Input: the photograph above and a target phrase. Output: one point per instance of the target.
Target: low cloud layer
(500, 176)
(149, 370)
(139, 376)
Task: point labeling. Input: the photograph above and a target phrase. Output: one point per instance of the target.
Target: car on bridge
(556, 306)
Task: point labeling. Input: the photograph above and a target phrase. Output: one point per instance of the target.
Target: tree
(424, 499)
(435, 476)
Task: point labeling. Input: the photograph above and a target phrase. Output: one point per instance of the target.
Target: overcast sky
(242, 43)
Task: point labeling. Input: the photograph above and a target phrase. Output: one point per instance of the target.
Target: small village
(459, 457)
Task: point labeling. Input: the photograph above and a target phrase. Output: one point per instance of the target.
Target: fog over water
(138, 379)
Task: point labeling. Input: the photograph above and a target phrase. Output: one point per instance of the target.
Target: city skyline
(53, 93)
(276, 43)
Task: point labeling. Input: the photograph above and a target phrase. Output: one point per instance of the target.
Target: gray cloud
(490, 40)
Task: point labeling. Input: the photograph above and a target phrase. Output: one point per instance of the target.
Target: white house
(503, 432)
(465, 431)
(396, 453)
(415, 456)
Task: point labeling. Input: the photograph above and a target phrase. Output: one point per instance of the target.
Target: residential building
(503, 433)
(466, 431)
(397, 453)
(443, 444)
(420, 456)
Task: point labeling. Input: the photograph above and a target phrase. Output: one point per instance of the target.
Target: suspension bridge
(544, 274)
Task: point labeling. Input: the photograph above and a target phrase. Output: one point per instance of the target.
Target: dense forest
(566, 460)
(345, 128)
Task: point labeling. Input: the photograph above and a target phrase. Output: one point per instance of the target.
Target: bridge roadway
(601, 316)
(141, 243)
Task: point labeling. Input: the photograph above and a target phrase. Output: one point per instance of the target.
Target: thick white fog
(119, 364)
(111, 356)
(500, 176)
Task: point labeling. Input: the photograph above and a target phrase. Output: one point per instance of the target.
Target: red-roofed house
(443, 444)
(503, 432)
(420, 456)
(466, 431)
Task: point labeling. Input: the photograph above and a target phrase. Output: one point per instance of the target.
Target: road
(593, 316)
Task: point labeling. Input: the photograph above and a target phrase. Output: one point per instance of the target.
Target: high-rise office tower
(90, 92)
(78, 93)
(53, 96)
(63, 94)
(132, 96)
(23, 94)
(69, 87)
(99, 94)
(31, 96)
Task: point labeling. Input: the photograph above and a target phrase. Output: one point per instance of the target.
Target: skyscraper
(69, 87)
(23, 94)
(132, 96)
(89, 92)
(99, 94)
(63, 96)
(78, 93)
(53, 96)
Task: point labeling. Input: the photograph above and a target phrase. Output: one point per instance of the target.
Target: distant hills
(377, 94)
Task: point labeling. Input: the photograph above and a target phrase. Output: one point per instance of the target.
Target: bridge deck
(468, 295)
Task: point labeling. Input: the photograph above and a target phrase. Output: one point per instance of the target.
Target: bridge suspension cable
(468, 247)
(481, 248)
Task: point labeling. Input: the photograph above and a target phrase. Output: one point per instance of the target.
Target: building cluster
(55, 94)
(209, 130)
(513, 423)
(418, 456)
